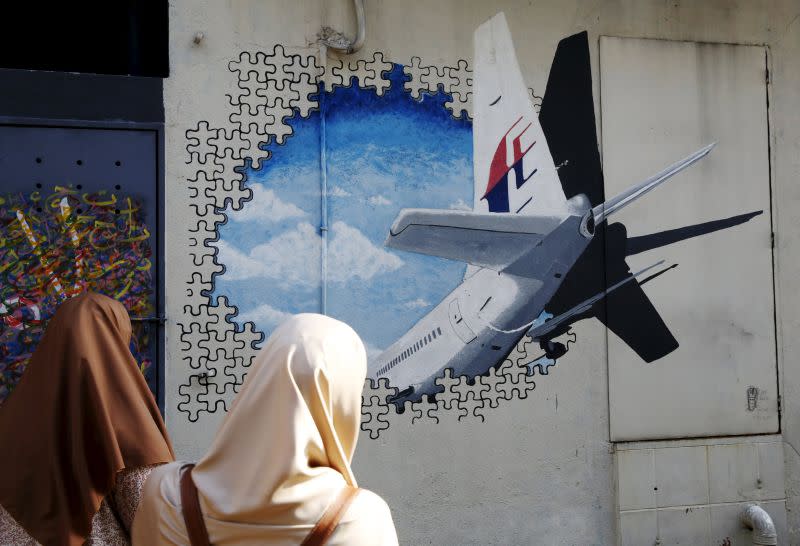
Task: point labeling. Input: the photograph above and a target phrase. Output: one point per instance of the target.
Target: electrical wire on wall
(331, 39)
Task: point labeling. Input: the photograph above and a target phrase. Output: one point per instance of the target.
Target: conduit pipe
(323, 169)
(332, 39)
(758, 520)
(338, 42)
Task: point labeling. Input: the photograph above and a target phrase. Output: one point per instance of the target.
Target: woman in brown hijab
(80, 432)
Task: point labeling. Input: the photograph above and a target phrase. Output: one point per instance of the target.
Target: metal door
(662, 100)
(78, 211)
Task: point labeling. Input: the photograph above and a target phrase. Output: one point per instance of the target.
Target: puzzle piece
(202, 180)
(451, 386)
(197, 290)
(516, 381)
(220, 313)
(375, 406)
(473, 404)
(249, 62)
(208, 212)
(275, 91)
(228, 171)
(460, 104)
(281, 61)
(193, 338)
(267, 121)
(210, 364)
(232, 140)
(192, 405)
(206, 265)
(379, 389)
(303, 63)
(425, 410)
(237, 371)
(375, 413)
(417, 77)
(439, 78)
(251, 337)
(307, 90)
(491, 394)
(367, 74)
(200, 146)
(412, 409)
(216, 397)
(204, 232)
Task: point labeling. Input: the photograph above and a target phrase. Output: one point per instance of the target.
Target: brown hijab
(81, 413)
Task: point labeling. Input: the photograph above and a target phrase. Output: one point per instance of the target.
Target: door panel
(660, 101)
(78, 211)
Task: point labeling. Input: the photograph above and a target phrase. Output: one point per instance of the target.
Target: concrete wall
(539, 468)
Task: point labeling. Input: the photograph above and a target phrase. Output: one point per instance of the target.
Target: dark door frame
(57, 99)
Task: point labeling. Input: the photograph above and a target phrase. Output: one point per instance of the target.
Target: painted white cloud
(372, 351)
(418, 303)
(265, 316)
(352, 256)
(238, 265)
(337, 191)
(293, 257)
(378, 200)
(266, 206)
(460, 205)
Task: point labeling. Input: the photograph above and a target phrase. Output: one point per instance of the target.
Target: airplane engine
(580, 205)
(553, 349)
(588, 225)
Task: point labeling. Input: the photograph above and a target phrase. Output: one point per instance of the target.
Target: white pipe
(339, 42)
(757, 519)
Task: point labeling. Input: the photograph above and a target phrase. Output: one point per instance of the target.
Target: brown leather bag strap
(326, 525)
(190, 506)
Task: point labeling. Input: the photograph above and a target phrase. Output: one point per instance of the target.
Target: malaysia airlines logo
(497, 189)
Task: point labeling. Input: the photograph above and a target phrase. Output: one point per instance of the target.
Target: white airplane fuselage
(521, 239)
(478, 324)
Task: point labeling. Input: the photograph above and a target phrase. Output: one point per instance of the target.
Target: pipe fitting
(337, 41)
(759, 521)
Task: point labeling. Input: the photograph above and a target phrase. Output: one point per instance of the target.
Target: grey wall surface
(538, 469)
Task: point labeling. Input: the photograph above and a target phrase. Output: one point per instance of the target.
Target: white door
(660, 101)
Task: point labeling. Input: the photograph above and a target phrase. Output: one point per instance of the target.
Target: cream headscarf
(283, 451)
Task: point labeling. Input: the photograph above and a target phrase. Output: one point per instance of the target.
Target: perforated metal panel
(78, 208)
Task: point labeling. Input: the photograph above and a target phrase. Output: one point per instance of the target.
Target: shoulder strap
(326, 525)
(190, 506)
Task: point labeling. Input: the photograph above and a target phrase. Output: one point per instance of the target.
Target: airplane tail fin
(513, 169)
(617, 203)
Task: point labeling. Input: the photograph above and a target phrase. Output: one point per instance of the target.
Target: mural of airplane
(520, 242)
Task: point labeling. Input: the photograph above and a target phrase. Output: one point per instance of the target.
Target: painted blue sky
(384, 153)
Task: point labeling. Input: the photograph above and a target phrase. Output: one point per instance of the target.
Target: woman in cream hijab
(283, 452)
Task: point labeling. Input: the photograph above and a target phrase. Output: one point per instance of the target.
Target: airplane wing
(632, 317)
(490, 240)
(618, 202)
(513, 168)
(537, 330)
